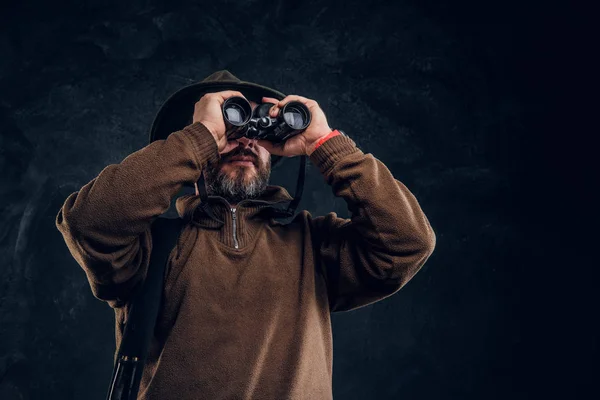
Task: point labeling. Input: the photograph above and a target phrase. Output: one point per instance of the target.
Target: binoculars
(241, 121)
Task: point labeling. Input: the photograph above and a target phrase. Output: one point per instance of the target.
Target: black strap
(291, 210)
(143, 313)
(204, 199)
(299, 187)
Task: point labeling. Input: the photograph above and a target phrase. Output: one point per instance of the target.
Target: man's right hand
(208, 112)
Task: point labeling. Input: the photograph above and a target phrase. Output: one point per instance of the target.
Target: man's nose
(246, 142)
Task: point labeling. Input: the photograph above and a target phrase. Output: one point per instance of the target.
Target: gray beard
(235, 189)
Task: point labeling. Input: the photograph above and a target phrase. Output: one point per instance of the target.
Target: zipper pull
(235, 241)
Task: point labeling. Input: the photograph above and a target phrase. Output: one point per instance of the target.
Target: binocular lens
(237, 111)
(296, 117)
(235, 114)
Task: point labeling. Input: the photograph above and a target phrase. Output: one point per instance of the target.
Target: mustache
(243, 153)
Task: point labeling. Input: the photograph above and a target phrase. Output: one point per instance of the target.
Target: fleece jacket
(247, 300)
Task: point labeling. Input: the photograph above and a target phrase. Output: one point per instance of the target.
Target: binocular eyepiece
(241, 121)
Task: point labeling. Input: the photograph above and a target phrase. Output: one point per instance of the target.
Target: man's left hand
(303, 143)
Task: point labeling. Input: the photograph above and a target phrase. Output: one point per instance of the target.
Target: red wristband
(333, 133)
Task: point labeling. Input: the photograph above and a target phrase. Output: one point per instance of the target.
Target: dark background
(471, 104)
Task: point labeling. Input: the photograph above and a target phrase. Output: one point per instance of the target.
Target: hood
(187, 205)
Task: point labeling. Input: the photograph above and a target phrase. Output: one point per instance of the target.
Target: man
(246, 306)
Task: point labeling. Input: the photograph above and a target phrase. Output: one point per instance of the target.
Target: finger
(309, 103)
(229, 93)
(292, 97)
(270, 100)
(274, 110)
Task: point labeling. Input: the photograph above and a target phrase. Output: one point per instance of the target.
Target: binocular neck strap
(291, 210)
(204, 199)
(299, 187)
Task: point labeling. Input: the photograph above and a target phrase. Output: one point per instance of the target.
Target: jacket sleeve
(388, 238)
(106, 224)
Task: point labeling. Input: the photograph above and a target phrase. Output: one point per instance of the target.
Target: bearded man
(245, 311)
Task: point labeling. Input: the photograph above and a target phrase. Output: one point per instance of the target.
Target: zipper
(234, 215)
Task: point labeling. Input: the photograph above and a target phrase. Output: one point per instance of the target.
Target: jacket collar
(188, 205)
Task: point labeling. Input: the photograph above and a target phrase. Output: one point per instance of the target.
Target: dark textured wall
(446, 93)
